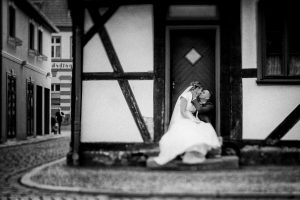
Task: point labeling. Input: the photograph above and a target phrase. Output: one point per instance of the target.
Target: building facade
(132, 60)
(25, 70)
(61, 55)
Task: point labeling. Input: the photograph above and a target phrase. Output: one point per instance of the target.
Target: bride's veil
(176, 111)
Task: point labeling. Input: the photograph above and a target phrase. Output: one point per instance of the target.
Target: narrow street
(16, 160)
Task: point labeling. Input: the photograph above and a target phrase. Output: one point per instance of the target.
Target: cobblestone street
(16, 160)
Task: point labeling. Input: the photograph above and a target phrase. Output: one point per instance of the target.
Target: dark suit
(204, 110)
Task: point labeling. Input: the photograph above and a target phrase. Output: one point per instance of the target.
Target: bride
(186, 133)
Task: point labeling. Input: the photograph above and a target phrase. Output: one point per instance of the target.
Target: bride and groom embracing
(190, 133)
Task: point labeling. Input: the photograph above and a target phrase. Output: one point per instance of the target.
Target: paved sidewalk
(39, 138)
(260, 181)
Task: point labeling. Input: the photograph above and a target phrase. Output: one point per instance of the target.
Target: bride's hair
(196, 84)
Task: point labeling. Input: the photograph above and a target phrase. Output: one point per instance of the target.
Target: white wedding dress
(186, 136)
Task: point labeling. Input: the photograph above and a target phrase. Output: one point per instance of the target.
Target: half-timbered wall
(107, 105)
(265, 107)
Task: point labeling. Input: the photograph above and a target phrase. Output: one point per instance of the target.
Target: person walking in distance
(59, 117)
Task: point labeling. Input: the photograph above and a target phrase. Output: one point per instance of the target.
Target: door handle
(173, 84)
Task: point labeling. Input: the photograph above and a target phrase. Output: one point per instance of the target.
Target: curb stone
(26, 180)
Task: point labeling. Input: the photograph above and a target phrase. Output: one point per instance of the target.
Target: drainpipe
(1, 72)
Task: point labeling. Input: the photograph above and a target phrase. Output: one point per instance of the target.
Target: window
(280, 42)
(40, 42)
(31, 36)
(12, 21)
(55, 87)
(56, 47)
(193, 12)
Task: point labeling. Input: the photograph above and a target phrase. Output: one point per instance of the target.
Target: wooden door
(47, 110)
(39, 110)
(192, 59)
(11, 114)
(30, 109)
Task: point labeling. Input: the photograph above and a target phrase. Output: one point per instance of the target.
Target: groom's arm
(202, 108)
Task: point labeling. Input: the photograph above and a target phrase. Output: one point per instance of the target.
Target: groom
(204, 111)
(203, 106)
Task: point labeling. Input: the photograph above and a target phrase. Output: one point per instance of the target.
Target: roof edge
(30, 9)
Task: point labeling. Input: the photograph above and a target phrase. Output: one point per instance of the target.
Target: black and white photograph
(149, 100)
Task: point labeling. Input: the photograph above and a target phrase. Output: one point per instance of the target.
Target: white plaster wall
(105, 114)
(65, 89)
(105, 111)
(249, 47)
(131, 32)
(264, 106)
(46, 64)
(65, 96)
(65, 104)
(95, 58)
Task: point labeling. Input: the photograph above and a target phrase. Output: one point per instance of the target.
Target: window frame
(55, 87)
(262, 49)
(54, 45)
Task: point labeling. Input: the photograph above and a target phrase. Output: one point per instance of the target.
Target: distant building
(25, 70)
(61, 55)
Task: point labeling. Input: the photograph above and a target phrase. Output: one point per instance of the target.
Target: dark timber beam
(115, 76)
(124, 84)
(100, 23)
(159, 10)
(77, 14)
(284, 127)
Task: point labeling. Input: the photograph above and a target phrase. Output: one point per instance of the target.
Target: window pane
(294, 65)
(12, 21)
(273, 66)
(40, 39)
(193, 11)
(57, 52)
(57, 87)
(274, 42)
(58, 40)
(52, 51)
(31, 36)
(294, 46)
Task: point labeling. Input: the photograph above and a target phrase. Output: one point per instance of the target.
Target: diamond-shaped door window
(193, 56)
